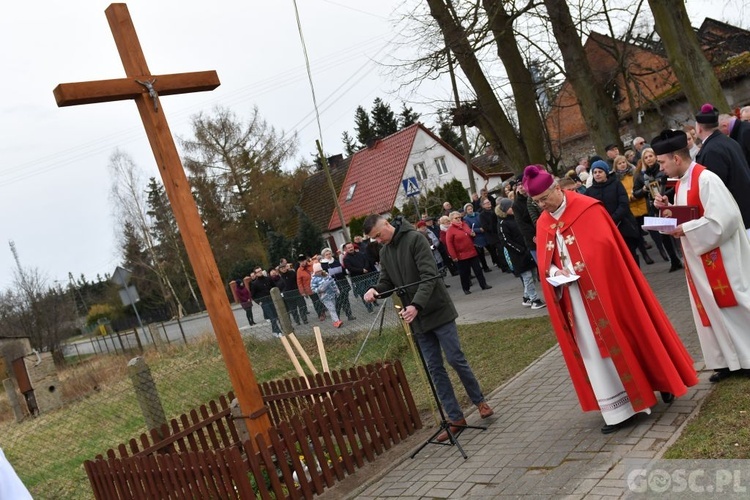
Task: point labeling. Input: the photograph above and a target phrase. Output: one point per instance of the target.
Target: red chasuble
(629, 324)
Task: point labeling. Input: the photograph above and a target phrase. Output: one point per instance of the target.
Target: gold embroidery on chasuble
(579, 267)
(570, 239)
(626, 377)
(720, 287)
(550, 245)
(591, 294)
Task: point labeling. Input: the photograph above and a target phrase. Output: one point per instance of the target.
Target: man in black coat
(724, 157)
(295, 303)
(359, 268)
(738, 130)
(488, 222)
(261, 292)
(523, 219)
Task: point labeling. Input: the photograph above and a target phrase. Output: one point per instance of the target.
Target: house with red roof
(373, 182)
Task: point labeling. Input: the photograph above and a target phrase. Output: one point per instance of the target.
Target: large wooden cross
(145, 89)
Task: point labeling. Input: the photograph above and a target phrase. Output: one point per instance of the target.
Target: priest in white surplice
(717, 253)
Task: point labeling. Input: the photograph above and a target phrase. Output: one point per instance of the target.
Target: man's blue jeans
(430, 343)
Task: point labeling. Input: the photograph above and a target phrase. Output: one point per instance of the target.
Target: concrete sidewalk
(539, 443)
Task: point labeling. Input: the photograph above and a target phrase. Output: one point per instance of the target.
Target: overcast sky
(54, 181)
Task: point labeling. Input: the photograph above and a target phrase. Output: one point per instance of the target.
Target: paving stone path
(539, 443)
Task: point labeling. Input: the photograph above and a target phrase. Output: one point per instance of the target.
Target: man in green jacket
(406, 258)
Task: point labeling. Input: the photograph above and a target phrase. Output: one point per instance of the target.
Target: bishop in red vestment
(617, 342)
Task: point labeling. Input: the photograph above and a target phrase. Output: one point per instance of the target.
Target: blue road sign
(410, 186)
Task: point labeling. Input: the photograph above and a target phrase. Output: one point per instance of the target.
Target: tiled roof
(377, 173)
(316, 199)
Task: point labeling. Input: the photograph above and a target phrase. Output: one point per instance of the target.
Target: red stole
(713, 264)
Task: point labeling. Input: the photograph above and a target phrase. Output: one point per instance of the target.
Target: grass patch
(48, 451)
(721, 430)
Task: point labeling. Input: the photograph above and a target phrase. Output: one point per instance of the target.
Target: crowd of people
(323, 278)
(577, 232)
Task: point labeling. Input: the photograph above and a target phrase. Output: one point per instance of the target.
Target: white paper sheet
(561, 280)
(666, 224)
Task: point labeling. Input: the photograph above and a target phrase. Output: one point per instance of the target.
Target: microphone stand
(444, 425)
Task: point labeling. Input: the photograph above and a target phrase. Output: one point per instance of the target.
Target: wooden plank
(219, 424)
(290, 442)
(302, 353)
(121, 89)
(209, 474)
(292, 356)
(321, 348)
(200, 432)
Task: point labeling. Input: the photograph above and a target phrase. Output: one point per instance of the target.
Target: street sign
(410, 186)
(121, 277)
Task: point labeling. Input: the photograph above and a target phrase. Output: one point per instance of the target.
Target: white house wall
(426, 149)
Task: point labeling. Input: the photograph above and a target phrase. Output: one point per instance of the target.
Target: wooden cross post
(146, 89)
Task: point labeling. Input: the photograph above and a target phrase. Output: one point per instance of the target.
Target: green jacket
(408, 259)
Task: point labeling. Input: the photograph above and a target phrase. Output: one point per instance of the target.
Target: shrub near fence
(323, 428)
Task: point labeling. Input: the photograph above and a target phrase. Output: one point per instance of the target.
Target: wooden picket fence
(324, 428)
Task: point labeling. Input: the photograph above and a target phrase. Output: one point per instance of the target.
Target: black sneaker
(538, 304)
(526, 302)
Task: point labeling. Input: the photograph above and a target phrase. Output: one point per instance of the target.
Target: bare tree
(521, 80)
(33, 309)
(489, 115)
(129, 202)
(598, 109)
(689, 63)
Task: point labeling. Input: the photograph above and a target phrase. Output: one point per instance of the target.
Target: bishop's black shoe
(667, 397)
(610, 428)
(720, 375)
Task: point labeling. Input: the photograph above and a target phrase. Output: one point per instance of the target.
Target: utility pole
(464, 141)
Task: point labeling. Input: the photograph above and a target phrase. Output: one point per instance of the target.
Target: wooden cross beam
(145, 89)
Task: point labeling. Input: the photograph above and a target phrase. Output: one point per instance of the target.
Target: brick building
(651, 99)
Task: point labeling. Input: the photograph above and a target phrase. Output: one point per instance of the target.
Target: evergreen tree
(137, 260)
(279, 247)
(448, 133)
(383, 118)
(170, 249)
(407, 116)
(309, 239)
(362, 126)
(349, 146)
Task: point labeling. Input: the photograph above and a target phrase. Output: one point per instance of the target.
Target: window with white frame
(350, 194)
(419, 171)
(442, 168)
